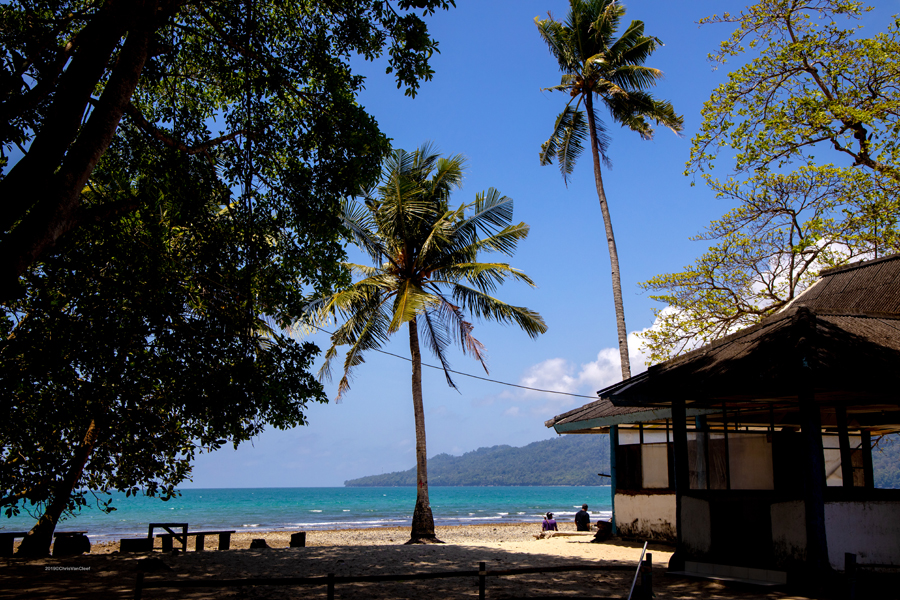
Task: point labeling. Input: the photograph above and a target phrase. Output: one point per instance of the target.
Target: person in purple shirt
(549, 523)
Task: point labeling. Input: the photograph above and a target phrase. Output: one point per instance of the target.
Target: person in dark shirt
(583, 519)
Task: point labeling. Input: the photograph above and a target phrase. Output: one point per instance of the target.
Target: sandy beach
(363, 552)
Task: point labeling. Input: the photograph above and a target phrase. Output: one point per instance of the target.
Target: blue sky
(485, 102)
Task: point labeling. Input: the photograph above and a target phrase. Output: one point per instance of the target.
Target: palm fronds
(426, 265)
(595, 62)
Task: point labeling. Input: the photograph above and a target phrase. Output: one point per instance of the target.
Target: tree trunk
(37, 542)
(423, 520)
(64, 153)
(611, 242)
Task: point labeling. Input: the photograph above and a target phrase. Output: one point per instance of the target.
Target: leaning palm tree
(426, 275)
(594, 63)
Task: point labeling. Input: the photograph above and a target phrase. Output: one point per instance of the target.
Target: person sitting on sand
(583, 519)
(549, 523)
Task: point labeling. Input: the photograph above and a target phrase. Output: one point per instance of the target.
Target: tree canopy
(767, 250)
(810, 123)
(215, 79)
(173, 173)
(814, 93)
(140, 342)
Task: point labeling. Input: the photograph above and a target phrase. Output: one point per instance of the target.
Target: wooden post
(613, 442)
(850, 575)
(701, 465)
(727, 453)
(200, 542)
(682, 477)
(225, 541)
(482, 580)
(647, 577)
(139, 586)
(330, 593)
(813, 466)
(840, 413)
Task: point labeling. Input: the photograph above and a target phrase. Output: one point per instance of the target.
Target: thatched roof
(862, 288)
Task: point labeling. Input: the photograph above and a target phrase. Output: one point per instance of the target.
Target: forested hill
(566, 460)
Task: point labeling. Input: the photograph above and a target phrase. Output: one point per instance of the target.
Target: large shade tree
(426, 275)
(134, 284)
(141, 341)
(598, 67)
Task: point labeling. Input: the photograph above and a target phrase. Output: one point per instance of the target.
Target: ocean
(304, 509)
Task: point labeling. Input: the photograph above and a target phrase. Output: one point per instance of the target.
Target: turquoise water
(271, 509)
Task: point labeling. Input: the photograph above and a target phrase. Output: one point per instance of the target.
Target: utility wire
(523, 387)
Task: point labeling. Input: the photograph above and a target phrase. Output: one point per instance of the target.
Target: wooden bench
(168, 538)
(71, 543)
(7, 541)
(135, 545)
(182, 536)
(224, 539)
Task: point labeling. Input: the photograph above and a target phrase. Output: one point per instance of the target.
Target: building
(754, 453)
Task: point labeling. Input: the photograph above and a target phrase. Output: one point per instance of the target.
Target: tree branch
(147, 127)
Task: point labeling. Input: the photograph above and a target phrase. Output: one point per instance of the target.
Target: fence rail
(331, 580)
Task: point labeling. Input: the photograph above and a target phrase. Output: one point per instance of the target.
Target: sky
(485, 101)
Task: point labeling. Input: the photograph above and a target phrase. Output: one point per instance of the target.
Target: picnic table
(71, 543)
(175, 531)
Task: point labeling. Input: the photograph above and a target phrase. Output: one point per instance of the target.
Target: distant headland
(566, 460)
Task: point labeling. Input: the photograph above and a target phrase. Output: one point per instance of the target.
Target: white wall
(789, 531)
(871, 530)
(696, 531)
(648, 516)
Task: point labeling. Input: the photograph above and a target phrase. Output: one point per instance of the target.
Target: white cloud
(562, 375)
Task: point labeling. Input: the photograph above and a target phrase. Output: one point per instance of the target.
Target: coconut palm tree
(426, 275)
(595, 64)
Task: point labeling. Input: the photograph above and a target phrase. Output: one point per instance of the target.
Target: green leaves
(812, 88)
(811, 123)
(785, 229)
(595, 63)
(567, 141)
(429, 251)
(153, 326)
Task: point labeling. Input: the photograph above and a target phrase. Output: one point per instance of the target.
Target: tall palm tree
(594, 63)
(426, 275)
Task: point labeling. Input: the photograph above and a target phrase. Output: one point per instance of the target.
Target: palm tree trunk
(423, 520)
(611, 242)
(37, 542)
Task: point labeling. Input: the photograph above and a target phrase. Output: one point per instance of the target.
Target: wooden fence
(331, 580)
